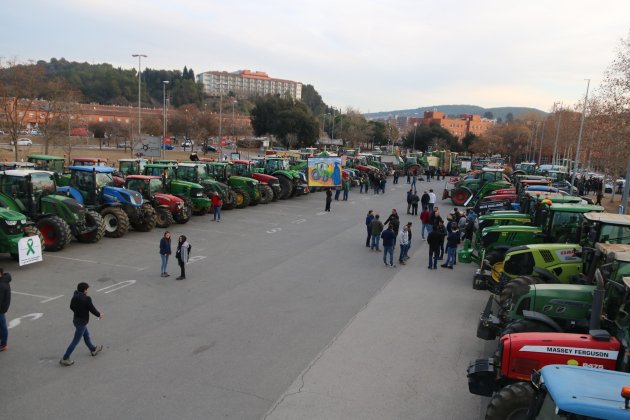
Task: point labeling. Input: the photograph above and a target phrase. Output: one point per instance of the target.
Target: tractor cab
(83, 161)
(27, 188)
(147, 186)
(90, 182)
(153, 169)
(48, 163)
(131, 166)
(608, 228)
(525, 167)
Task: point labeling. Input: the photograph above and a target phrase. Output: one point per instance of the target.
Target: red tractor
(168, 208)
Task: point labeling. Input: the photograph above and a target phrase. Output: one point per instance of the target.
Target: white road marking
(117, 286)
(298, 221)
(196, 258)
(46, 298)
(97, 262)
(274, 230)
(321, 213)
(17, 321)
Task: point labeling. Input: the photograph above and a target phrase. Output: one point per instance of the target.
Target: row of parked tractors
(558, 271)
(90, 199)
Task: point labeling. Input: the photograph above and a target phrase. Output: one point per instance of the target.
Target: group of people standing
(391, 233)
(182, 254)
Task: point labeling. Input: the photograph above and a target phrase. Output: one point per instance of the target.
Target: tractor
(268, 185)
(526, 168)
(197, 172)
(128, 167)
(491, 178)
(58, 217)
(246, 191)
(290, 182)
(192, 193)
(120, 207)
(54, 164)
(13, 227)
(168, 208)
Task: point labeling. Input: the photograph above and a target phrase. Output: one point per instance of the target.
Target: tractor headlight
(180, 205)
(11, 222)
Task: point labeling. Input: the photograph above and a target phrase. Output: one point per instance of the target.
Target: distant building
(248, 83)
(458, 127)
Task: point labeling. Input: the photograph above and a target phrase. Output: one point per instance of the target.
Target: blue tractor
(120, 207)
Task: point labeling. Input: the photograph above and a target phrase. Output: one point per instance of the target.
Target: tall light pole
(555, 145)
(577, 149)
(139, 91)
(221, 84)
(333, 127)
(415, 128)
(233, 135)
(164, 83)
(542, 138)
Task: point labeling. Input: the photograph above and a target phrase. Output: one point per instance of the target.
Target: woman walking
(165, 251)
(183, 251)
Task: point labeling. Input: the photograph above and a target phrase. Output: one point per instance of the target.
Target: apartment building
(458, 127)
(248, 83)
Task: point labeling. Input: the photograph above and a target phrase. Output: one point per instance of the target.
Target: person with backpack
(182, 255)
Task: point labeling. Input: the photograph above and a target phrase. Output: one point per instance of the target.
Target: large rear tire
(228, 202)
(147, 220)
(116, 222)
(516, 288)
(184, 215)
(511, 402)
(266, 194)
(163, 217)
(460, 195)
(56, 233)
(526, 325)
(286, 188)
(241, 199)
(93, 221)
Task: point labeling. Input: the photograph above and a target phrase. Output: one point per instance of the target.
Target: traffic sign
(148, 146)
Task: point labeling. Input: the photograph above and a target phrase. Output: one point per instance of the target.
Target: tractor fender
(542, 318)
(71, 192)
(545, 274)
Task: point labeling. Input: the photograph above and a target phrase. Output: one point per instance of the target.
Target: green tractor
(54, 164)
(526, 168)
(192, 193)
(58, 217)
(13, 227)
(463, 191)
(559, 307)
(197, 172)
(131, 166)
(246, 190)
(268, 185)
(290, 181)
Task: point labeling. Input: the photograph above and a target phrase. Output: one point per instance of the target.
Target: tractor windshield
(228, 171)
(565, 227)
(156, 186)
(104, 179)
(187, 173)
(137, 185)
(43, 184)
(203, 171)
(240, 169)
(614, 234)
(127, 168)
(278, 164)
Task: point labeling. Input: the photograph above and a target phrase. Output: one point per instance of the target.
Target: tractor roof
(133, 160)
(609, 218)
(46, 157)
(143, 177)
(488, 169)
(160, 165)
(190, 164)
(99, 169)
(587, 391)
(551, 247)
(241, 161)
(619, 252)
(504, 215)
(512, 228)
(25, 172)
(88, 159)
(575, 208)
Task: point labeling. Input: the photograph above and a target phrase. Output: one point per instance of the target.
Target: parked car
(122, 145)
(168, 147)
(211, 148)
(23, 142)
(187, 143)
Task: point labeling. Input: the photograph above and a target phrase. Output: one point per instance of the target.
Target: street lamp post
(221, 84)
(415, 128)
(164, 83)
(577, 149)
(332, 140)
(555, 145)
(542, 138)
(139, 91)
(233, 135)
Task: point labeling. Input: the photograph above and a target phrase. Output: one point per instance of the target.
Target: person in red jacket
(425, 218)
(216, 206)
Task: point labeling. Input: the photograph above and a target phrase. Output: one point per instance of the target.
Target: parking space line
(46, 298)
(116, 286)
(220, 232)
(97, 262)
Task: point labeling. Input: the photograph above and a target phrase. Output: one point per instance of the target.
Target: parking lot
(268, 290)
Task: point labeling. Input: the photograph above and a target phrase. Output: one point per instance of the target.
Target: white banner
(29, 250)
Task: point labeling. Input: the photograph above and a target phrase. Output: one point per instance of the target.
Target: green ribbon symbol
(30, 250)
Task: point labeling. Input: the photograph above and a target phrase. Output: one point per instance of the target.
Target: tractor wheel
(460, 195)
(276, 194)
(31, 230)
(511, 402)
(228, 201)
(526, 325)
(515, 288)
(163, 217)
(266, 194)
(147, 220)
(286, 188)
(184, 215)
(93, 220)
(56, 233)
(116, 222)
(241, 198)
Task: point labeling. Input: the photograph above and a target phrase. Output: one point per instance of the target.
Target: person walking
(328, 199)
(414, 203)
(376, 228)
(425, 219)
(389, 238)
(346, 189)
(403, 241)
(165, 252)
(5, 302)
(441, 229)
(182, 255)
(432, 200)
(424, 200)
(409, 194)
(396, 175)
(452, 241)
(434, 240)
(81, 305)
(368, 222)
(394, 221)
(414, 178)
(409, 231)
(337, 193)
(382, 184)
(216, 206)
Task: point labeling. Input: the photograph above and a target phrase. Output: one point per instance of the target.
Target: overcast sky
(369, 55)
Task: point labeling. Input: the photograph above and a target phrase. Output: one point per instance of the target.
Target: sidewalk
(404, 355)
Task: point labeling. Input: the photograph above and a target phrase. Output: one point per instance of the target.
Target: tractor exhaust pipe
(598, 302)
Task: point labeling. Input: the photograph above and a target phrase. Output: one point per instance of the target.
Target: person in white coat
(182, 255)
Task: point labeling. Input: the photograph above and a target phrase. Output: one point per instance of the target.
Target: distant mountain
(456, 110)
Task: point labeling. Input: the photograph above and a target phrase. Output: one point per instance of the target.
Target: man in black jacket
(5, 302)
(81, 305)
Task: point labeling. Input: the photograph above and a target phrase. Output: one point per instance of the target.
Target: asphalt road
(268, 289)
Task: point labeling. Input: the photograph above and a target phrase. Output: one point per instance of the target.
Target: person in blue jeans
(165, 251)
(5, 302)
(376, 228)
(81, 304)
(452, 241)
(435, 242)
(389, 238)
